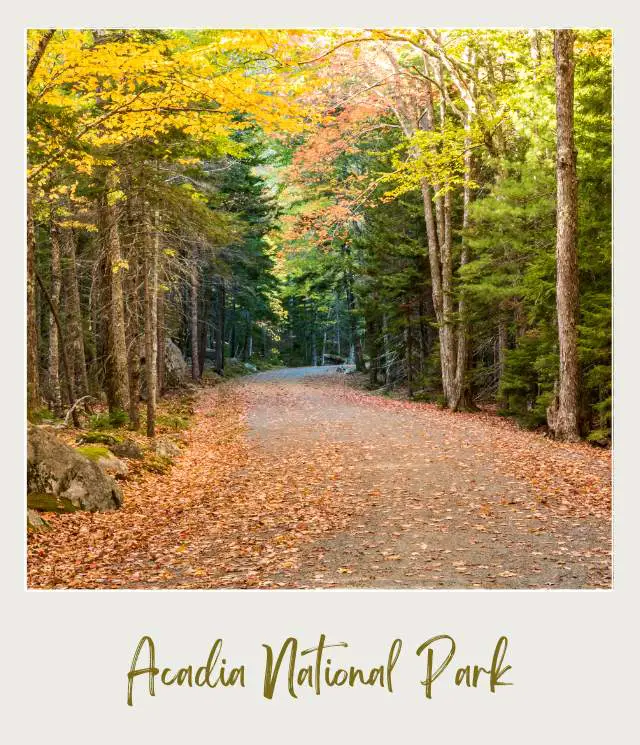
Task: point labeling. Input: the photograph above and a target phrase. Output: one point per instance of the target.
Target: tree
(563, 420)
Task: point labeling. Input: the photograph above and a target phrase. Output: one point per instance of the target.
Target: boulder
(166, 449)
(97, 438)
(176, 372)
(127, 449)
(61, 479)
(35, 524)
(113, 466)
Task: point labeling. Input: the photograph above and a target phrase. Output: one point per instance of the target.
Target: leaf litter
(317, 484)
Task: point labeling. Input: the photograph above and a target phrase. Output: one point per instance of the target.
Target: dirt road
(294, 479)
(435, 497)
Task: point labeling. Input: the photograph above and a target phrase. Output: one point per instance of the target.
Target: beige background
(574, 653)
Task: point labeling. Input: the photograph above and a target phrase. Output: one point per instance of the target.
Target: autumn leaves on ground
(297, 481)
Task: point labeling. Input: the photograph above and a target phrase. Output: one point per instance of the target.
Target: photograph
(318, 308)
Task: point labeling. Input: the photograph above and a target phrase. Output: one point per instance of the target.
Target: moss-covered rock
(60, 478)
(36, 523)
(98, 438)
(94, 452)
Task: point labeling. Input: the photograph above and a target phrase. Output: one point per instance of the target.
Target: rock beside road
(61, 479)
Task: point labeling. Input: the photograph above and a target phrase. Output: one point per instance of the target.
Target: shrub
(101, 438)
(113, 419)
(172, 421)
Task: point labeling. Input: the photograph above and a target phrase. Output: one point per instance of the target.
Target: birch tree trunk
(439, 243)
(566, 418)
(462, 394)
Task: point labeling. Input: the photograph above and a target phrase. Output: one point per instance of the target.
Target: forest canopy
(432, 207)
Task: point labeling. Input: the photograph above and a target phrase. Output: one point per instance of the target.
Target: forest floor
(297, 479)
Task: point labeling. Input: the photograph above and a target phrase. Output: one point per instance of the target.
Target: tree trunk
(54, 341)
(502, 346)
(373, 348)
(356, 344)
(566, 417)
(116, 343)
(39, 53)
(409, 352)
(134, 322)
(68, 377)
(203, 327)
(151, 324)
(249, 337)
(33, 382)
(314, 352)
(73, 311)
(387, 351)
(232, 336)
(462, 393)
(195, 359)
(219, 330)
(162, 341)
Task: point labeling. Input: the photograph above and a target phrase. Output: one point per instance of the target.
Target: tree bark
(68, 377)
(439, 243)
(33, 382)
(462, 393)
(203, 327)
(116, 343)
(566, 417)
(54, 342)
(73, 311)
(219, 330)
(502, 346)
(373, 349)
(409, 352)
(356, 344)
(162, 340)
(39, 52)
(134, 323)
(151, 324)
(387, 351)
(314, 352)
(194, 331)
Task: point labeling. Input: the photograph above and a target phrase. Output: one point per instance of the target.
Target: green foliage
(43, 414)
(234, 368)
(175, 422)
(111, 420)
(526, 387)
(99, 438)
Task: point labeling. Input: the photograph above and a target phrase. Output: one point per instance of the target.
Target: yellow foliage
(94, 91)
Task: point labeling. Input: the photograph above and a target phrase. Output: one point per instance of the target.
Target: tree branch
(38, 54)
